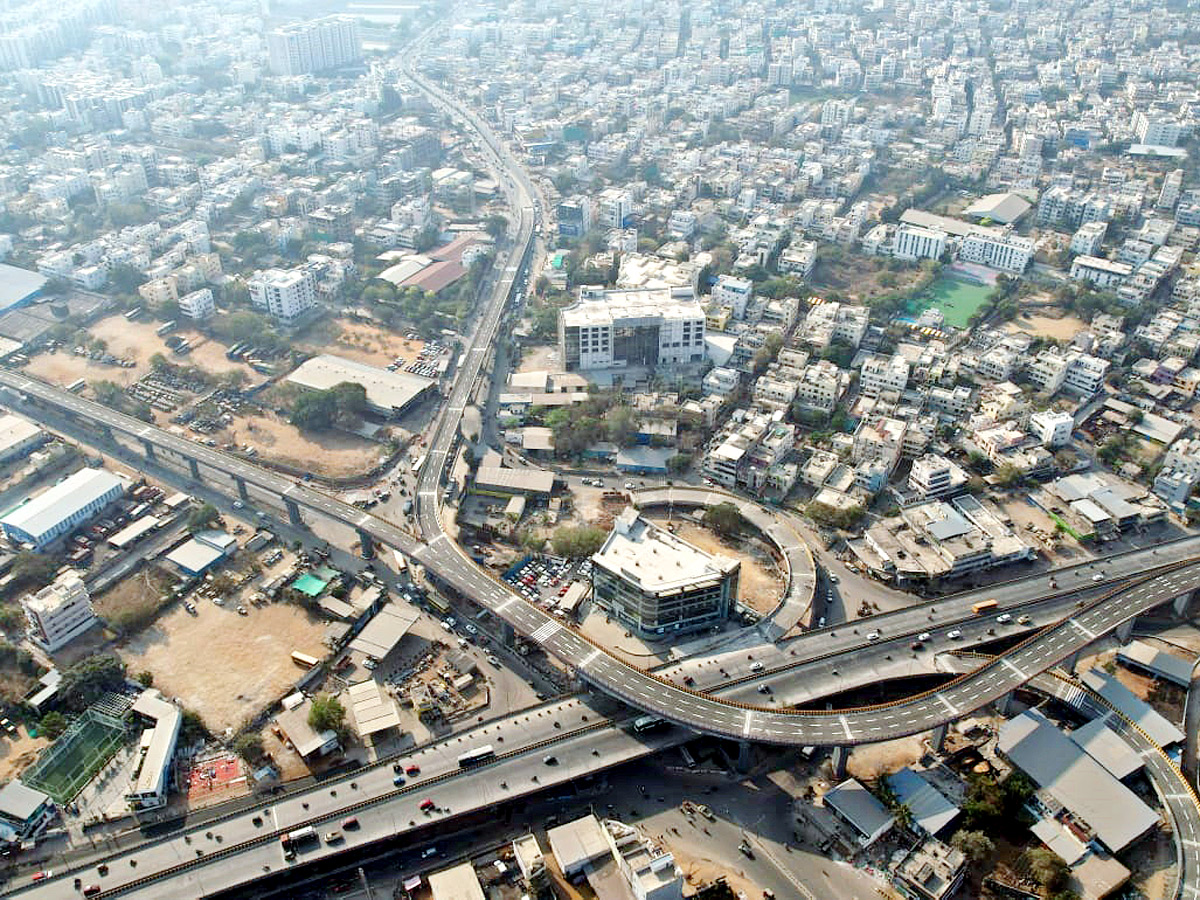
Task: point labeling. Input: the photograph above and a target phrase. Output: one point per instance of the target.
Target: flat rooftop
(657, 561)
(17, 284)
(386, 391)
(631, 307)
(73, 493)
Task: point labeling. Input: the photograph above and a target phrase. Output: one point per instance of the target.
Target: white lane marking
(506, 604)
(950, 706)
(1013, 666)
(591, 658)
(547, 631)
(746, 724)
(846, 728)
(1091, 635)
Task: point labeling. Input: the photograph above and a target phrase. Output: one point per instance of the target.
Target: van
(756, 666)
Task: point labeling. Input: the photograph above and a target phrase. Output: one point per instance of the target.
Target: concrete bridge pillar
(1124, 631)
(745, 750)
(841, 756)
(508, 634)
(195, 467)
(293, 511)
(241, 486)
(1071, 662)
(366, 544)
(149, 448)
(1181, 604)
(938, 739)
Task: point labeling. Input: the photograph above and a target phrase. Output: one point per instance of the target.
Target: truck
(294, 840)
(983, 606)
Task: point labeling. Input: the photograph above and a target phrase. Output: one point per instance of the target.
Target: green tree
(679, 463)
(52, 725)
(621, 423)
(249, 746)
(145, 678)
(1048, 868)
(342, 405)
(326, 714)
(976, 845)
(577, 542)
(31, 571)
(88, 680)
(201, 517)
(191, 727)
(495, 226)
(725, 519)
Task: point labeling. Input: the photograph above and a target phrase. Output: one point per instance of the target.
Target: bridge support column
(195, 467)
(508, 635)
(293, 511)
(1004, 704)
(938, 739)
(149, 448)
(745, 748)
(242, 490)
(366, 544)
(1124, 631)
(841, 756)
(107, 433)
(1181, 604)
(1071, 662)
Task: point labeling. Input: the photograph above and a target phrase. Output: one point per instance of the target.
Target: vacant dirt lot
(331, 453)
(360, 341)
(1060, 328)
(133, 600)
(17, 754)
(225, 666)
(540, 359)
(137, 341)
(760, 585)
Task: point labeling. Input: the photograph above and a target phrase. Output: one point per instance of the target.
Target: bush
(327, 714)
(578, 542)
(88, 680)
(52, 725)
(249, 746)
(725, 519)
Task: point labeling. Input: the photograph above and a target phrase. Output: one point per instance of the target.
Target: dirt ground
(698, 870)
(333, 453)
(132, 340)
(540, 359)
(872, 760)
(1061, 328)
(360, 341)
(17, 754)
(759, 586)
(862, 278)
(131, 597)
(225, 666)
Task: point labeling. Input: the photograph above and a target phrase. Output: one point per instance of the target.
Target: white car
(1097, 577)
(873, 636)
(629, 485)
(923, 636)
(954, 635)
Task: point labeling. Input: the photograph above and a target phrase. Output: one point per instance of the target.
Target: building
(997, 250)
(578, 844)
(800, 258)
(647, 868)
(24, 812)
(308, 742)
(1088, 239)
(74, 500)
(302, 48)
(734, 293)
(574, 217)
(156, 750)
(883, 376)
(59, 612)
(19, 437)
(614, 329)
(198, 305)
(389, 394)
(202, 551)
(933, 477)
(1103, 273)
(1073, 779)
(658, 584)
(851, 802)
(1051, 428)
(456, 883)
(931, 870)
(285, 294)
(18, 286)
(613, 208)
(915, 242)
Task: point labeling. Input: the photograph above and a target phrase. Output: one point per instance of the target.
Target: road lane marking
(950, 706)
(746, 724)
(1090, 634)
(591, 659)
(846, 728)
(545, 632)
(1013, 666)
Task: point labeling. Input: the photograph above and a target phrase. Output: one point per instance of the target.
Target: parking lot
(428, 362)
(547, 582)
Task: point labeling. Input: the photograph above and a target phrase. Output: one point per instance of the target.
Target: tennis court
(74, 759)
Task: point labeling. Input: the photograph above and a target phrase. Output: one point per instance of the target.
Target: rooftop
(656, 560)
(386, 391)
(631, 307)
(50, 507)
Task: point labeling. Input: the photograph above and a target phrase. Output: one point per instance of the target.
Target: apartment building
(881, 376)
(302, 48)
(997, 250)
(915, 242)
(933, 477)
(285, 294)
(59, 612)
(198, 305)
(613, 329)
(1052, 428)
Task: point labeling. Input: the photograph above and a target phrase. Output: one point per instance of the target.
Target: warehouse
(389, 394)
(53, 513)
(18, 437)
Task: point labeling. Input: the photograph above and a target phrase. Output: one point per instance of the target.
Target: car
(333, 837)
(412, 769)
(834, 579)
(873, 636)
(550, 760)
(1098, 577)
(1004, 618)
(471, 629)
(1023, 620)
(923, 636)
(428, 852)
(91, 890)
(42, 875)
(821, 622)
(916, 645)
(494, 660)
(427, 805)
(238, 504)
(629, 485)
(398, 780)
(351, 823)
(764, 689)
(954, 635)
(756, 666)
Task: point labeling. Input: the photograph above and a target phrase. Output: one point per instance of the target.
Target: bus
(647, 723)
(983, 606)
(304, 660)
(417, 464)
(476, 756)
(76, 386)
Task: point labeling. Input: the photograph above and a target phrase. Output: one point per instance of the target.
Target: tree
(975, 845)
(88, 680)
(1007, 475)
(622, 424)
(845, 519)
(679, 463)
(201, 517)
(342, 405)
(1048, 868)
(52, 725)
(145, 678)
(724, 518)
(577, 542)
(249, 746)
(32, 571)
(191, 727)
(495, 226)
(327, 714)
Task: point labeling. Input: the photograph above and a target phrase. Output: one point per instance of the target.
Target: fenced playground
(74, 759)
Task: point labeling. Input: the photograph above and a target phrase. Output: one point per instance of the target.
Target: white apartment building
(1097, 270)
(828, 322)
(819, 386)
(733, 292)
(1076, 371)
(613, 208)
(314, 46)
(59, 612)
(933, 477)
(1003, 251)
(1088, 239)
(198, 305)
(1052, 428)
(883, 376)
(1158, 129)
(614, 329)
(285, 294)
(799, 259)
(915, 242)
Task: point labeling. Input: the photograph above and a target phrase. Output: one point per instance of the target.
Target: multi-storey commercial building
(1004, 251)
(59, 612)
(285, 294)
(657, 584)
(915, 242)
(614, 329)
(305, 47)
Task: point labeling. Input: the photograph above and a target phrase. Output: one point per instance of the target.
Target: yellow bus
(304, 660)
(983, 606)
